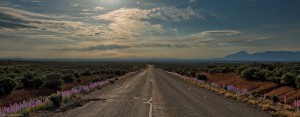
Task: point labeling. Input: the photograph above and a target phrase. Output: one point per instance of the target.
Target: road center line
(150, 108)
(127, 86)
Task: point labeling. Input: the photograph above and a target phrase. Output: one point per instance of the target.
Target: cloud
(15, 18)
(98, 8)
(128, 23)
(107, 47)
(225, 37)
(217, 33)
(191, 1)
(100, 47)
(175, 30)
(157, 45)
(92, 10)
(24, 22)
(243, 39)
(175, 14)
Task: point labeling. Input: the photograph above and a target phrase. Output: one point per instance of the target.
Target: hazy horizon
(190, 29)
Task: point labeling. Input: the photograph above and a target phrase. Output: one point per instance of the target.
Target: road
(153, 93)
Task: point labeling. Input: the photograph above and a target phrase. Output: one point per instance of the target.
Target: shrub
(54, 80)
(118, 72)
(68, 78)
(99, 78)
(32, 82)
(252, 74)
(6, 86)
(77, 75)
(193, 74)
(255, 94)
(56, 99)
(287, 79)
(297, 81)
(37, 82)
(267, 73)
(274, 79)
(274, 98)
(78, 80)
(86, 73)
(201, 77)
(111, 81)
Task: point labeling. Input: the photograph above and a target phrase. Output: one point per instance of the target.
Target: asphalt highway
(153, 93)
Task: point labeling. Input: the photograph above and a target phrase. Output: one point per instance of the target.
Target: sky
(146, 28)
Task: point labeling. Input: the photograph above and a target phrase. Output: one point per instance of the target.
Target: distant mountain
(242, 56)
(264, 56)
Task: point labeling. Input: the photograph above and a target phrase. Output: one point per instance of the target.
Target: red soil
(24, 94)
(84, 81)
(264, 87)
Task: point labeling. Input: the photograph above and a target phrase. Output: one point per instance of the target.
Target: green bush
(99, 78)
(201, 77)
(287, 79)
(119, 72)
(274, 98)
(77, 75)
(54, 80)
(255, 94)
(56, 99)
(274, 79)
(193, 74)
(297, 81)
(6, 85)
(37, 82)
(29, 80)
(68, 78)
(78, 80)
(240, 69)
(86, 73)
(111, 81)
(252, 74)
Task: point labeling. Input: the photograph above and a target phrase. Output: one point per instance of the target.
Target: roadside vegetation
(273, 87)
(286, 74)
(20, 81)
(16, 75)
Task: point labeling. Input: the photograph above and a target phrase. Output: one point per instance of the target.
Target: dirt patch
(23, 94)
(84, 81)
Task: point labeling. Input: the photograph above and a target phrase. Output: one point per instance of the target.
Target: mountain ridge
(264, 56)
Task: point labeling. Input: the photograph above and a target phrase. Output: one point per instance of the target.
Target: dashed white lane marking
(127, 86)
(150, 108)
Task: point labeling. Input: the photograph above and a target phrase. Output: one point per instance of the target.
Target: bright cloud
(175, 14)
(217, 33)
